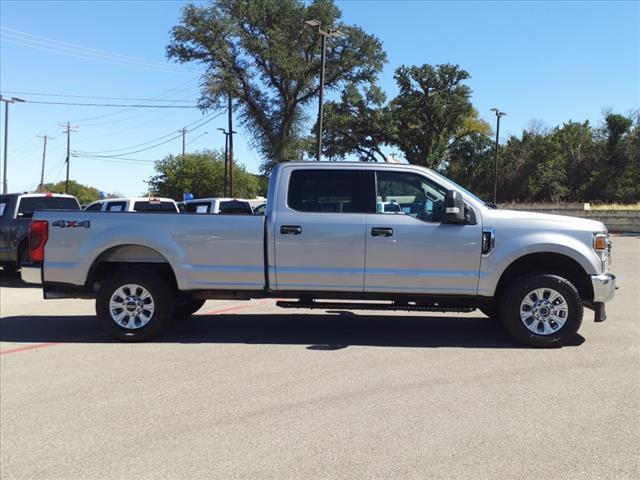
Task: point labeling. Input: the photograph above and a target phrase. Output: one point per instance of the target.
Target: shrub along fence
(615, 220)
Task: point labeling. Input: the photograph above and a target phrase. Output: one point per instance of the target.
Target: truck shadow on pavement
(323, 332)
(13, 280)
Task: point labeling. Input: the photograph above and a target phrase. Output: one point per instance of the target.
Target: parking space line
(37, 346)
(27, 347)
(236, 307)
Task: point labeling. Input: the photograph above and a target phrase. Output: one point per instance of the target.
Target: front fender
(508, 250)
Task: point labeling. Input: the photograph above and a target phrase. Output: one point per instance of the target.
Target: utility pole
(323, 49)
(499, 114)
(6, 137)
(184, 133)
(44, 156)
(230, 134)
(68, 129)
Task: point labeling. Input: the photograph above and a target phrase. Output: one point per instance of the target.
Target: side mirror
(454, 208)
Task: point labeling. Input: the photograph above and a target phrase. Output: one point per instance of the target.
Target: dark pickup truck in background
(16, 210)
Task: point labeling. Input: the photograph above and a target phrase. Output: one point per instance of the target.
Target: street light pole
(499, 114)
(226, 155)
(6, 137)
(230, 142)
(323, 49)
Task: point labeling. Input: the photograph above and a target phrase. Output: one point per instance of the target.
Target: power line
(109, 104)
(207, 117)
(177, 89)
(41, 94)
(75, 47)
(99, 154)
(84, 57)
(74, 50)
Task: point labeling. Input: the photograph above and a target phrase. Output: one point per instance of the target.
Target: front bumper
(31, 273)
(604, 287)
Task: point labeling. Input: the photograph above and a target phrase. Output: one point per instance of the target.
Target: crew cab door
(319, 229)
(409, 249)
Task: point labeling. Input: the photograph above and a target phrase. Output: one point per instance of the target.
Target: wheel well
(22, 246)
(552, 263)
(123, 257)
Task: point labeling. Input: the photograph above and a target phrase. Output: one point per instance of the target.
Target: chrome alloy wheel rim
(131, 306)
(544, 311)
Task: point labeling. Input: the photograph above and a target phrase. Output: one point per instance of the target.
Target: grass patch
(615, 206)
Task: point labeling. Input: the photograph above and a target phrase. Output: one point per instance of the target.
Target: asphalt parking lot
(247, 390)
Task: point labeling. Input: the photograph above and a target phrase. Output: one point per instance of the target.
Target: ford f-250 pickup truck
(328, 241)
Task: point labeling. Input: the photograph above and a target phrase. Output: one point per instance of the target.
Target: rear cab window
(154, 206)
(331, 191)
(4, 207)
(235, 207)
(197, 207)
(29, 205)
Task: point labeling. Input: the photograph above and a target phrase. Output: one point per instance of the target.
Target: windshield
(488, 204)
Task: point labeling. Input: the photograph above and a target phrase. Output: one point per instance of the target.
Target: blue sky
(548, 61)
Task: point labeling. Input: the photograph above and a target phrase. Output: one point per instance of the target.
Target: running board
(373, 306)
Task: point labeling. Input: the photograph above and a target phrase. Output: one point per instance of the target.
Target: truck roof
(37, 194)
(135, 199)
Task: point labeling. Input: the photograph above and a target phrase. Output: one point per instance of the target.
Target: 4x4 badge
(71, 223)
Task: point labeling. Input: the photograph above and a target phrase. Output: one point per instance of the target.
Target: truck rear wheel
(541, 310)
(134, 305)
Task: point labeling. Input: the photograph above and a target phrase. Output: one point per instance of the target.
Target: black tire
(187, 307)
(516, 294)
(162, 298)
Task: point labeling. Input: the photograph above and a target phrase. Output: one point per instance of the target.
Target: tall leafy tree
(432, 112)
(201, 174)
(358, 124)
(262, 54)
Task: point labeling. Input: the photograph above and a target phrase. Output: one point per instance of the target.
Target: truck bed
(205, 251)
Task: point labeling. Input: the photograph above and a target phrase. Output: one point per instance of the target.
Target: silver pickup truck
(334, 235)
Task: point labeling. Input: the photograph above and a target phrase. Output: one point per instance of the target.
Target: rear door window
(116, 206)
(28, 205)
(94, 207)
(342, 191)
(3, 207)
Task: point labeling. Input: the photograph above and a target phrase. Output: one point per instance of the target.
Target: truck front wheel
(134, 305)
(541, 310)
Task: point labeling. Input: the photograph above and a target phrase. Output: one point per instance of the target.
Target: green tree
(83, 193)
(608, 182)
(358, 124)
(201, 174)
(471, 163)
(432, 112)
(262, 54)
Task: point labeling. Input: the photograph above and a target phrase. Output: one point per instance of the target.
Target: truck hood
(543, 221)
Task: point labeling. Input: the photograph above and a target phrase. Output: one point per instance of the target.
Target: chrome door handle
(381, 232)
(290, 229)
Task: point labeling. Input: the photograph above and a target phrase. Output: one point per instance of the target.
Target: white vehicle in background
(134, 204)
(216, 205)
